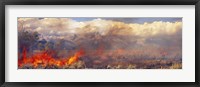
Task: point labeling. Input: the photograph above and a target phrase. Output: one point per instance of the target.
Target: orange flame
(75, 57)
(45, 59)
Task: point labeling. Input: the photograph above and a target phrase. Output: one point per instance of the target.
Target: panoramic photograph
(99, 42)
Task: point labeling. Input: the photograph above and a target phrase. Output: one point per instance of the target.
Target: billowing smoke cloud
(112, 34)
(64, 26)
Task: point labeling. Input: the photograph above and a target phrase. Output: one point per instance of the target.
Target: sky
(129, 20)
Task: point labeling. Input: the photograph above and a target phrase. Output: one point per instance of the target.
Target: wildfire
(45, 59)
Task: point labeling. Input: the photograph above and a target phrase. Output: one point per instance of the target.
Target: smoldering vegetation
(92, 47)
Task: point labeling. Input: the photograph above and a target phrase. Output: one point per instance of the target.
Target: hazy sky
(131, 20)
(128, 20)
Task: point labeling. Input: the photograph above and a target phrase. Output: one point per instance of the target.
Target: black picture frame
(98, 2)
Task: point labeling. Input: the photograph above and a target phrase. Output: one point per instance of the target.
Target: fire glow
(45, 59)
